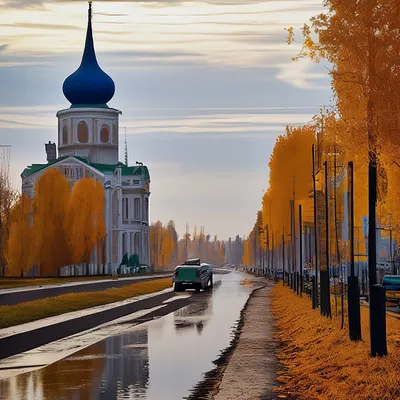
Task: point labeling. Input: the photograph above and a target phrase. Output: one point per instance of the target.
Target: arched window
(115, 133)
(83, 132)
(65, 135)
(104, 134)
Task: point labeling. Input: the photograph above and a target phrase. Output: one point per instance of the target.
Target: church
(88, 146)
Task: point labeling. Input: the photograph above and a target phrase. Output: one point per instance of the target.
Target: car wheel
(211, 282)
(177, 287)
(198, 287)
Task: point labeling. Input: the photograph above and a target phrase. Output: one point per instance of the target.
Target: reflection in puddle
(161, 360)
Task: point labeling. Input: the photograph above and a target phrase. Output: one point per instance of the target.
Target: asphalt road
(13, 296)
(151, 358)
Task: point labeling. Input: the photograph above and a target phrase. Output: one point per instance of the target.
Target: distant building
(88, 143)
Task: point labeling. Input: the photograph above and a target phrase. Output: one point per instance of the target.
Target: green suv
(193, 274)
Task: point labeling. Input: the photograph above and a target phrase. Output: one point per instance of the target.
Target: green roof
(31, 169)
(136, 170)
(107, 169)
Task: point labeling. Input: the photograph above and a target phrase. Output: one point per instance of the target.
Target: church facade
(88, 147)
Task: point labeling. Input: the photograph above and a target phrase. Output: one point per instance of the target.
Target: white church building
(88, 146)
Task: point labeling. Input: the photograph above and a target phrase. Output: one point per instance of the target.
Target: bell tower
(89, 128)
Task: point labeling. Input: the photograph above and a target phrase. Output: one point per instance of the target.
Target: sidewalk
(252, 370)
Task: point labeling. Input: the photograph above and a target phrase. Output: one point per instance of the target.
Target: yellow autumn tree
(8, 197)
(290, 175)
(85, 225)
(361, 40)
(167, 248)
(100, 223)
(20, 240)
(50, 205)
(163, 245)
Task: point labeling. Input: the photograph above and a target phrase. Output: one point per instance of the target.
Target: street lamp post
(260, 232)
(353, 288)
(283, 255)
(301, 250)
(327, 297)
(315, 225)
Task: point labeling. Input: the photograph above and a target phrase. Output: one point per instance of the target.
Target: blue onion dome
(89, 85)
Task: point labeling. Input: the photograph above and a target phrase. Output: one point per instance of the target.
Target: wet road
(160, 360)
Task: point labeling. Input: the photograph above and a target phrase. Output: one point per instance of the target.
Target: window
(79, 173)
(125, 208)
(104, 134)
(135, 182)
(115, 134)
(83, 132)
(68, 172)
(65, 135)
(137, 210)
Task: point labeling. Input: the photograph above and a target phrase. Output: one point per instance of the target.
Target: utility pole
(283, 255)
(260, 229)
(327, 312)
(294, 226)
(377, 295)
(268, 250)
(301, 249)
(353, 288)
(186, 244)
(126, 149)
(273, 254)
(391, 251)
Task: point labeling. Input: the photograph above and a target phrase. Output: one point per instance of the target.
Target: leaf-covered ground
(318, 360)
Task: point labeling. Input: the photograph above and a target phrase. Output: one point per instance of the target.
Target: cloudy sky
(205, 87)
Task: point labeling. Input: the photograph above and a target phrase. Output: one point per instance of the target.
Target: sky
(204, 88)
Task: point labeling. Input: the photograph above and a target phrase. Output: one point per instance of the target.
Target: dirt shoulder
(252, 369)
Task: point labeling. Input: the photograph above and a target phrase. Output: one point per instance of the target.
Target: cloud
(193, 79)
(236, 123)
(111, 14)
(245, 33)
(28, 25)
(157, 3)
(299, 74)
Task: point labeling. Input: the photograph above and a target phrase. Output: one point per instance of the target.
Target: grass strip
(11, 282)
(51, 306)
(320, 362)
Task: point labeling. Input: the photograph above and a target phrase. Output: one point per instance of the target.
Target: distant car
(391, 283)
(193, 274)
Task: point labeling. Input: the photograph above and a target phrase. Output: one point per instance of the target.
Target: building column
(148, 245)
(109, 230)
(132, 242)
(120, 255)
(142, 255)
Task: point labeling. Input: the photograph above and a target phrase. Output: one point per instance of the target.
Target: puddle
(160, 360)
